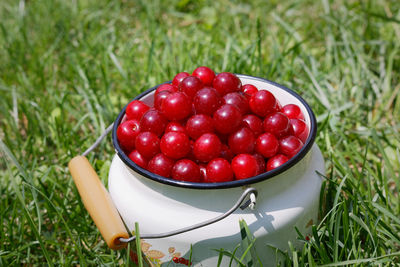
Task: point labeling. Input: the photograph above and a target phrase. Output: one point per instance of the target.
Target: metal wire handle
(251, 202)
(98, 140)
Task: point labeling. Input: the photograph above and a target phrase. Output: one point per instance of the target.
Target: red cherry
(207, 147)
(276, 161)
(227, 118)
(175, 145)
(176, 106)
(161, 165)
(278, 124)
(292, 111)
(165, 87)
(127, 133)
(290, 145)
(135, 110)
(175, 259)
(190, 85)
(206, 101)
(244, 166)
(260, 163)
(159, 98)
(226, 82)
(219, 170)
(254, 123)
(242, 141)
(148, 144)
(267, 145)
(249, 90)
(153, 121)
(186, 170)
(199, 124)
(299, 129)
(178, 78)
(191, 154)
(205, 74)
(278, 106)
(136, 157)
(203, 172)
(262, 103)
(238, 100)
(174, 126)
(226, 153)
(223, 137)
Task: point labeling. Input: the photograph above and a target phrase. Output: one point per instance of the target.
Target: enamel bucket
(287, 198)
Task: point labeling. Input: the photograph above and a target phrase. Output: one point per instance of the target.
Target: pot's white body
(285, 201)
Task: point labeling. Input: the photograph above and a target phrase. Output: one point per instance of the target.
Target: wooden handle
(98, 202)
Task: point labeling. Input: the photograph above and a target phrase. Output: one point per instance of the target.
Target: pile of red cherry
(210, 128)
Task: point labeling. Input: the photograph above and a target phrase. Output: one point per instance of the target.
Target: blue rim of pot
(223, 185)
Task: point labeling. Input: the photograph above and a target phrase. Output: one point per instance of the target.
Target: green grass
(68, 67)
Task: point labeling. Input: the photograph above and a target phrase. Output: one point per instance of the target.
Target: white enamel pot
(288, 198)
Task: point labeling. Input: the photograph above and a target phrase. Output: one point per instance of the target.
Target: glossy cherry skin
(153, 121)
(127, 133)
(161, 165)
(254, 123)
(290, 145)
(218, 170)
(165, 87)
(249, 90)
(292, 111)
(135, 110)
(242, 141)
(262, 103)
(203, 172)
(198, 125)
(190, 85)
(299, 129)
(260, 163)
(244, 166)
(186, 170)
(136, 157)
(148, 144)
(207, 147)
(178, 78)
(278, 124)
(276, 161)
(278, 106)
(267, 145)
(227, 118)
(206, 101)
(175, 145)
(159, 98)
(226, 82)
(176, 106)
(238, 100)
(174, 126)
(205, 74)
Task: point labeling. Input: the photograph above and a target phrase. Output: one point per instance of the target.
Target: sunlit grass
(67, 68)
